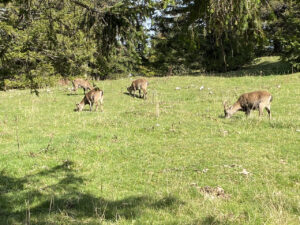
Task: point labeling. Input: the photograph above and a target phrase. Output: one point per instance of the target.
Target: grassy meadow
(148, 162)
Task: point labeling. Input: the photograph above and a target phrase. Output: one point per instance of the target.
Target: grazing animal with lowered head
(92, 97)
(139, 84)
(81, 83)
(250, 101)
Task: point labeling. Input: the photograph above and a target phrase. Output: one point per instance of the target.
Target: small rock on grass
(224, 132)
(245, 172)
(282, 161)
(204, 170)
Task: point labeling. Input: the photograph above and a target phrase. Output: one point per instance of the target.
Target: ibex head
(227, 110)
(129, 89)
(79, 107)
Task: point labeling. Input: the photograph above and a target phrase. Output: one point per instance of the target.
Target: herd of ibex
(257, 100)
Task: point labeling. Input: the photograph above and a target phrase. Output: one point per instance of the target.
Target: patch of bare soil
(214, 192)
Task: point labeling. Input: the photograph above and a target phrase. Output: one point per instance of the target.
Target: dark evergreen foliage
(214, 35)
(44, 39)
(281, 25)
(290, 36)
(41, 41)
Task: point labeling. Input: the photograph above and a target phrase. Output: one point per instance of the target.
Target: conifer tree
(220, 35)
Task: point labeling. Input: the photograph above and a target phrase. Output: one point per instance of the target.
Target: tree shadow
(211, 220)
(65, 198)
(7, 186)
(208, 220)
(264, 68)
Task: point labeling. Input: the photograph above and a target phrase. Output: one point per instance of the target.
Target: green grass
(127, 166)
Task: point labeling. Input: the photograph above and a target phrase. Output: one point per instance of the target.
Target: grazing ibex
(250, 101)
(139, 84)
(81, 83)
(92, 97)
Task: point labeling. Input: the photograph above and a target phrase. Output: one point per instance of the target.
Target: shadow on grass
(85, 110)
(210, 220)
(72, 94)
(65, 199)
(133, 96)
(264, 68)
(283, 125)
(221, 116)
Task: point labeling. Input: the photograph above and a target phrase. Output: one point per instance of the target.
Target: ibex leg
(268, 108)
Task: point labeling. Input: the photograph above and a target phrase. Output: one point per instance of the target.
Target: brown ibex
(250, 101)
(139, 84)
(92, 97)
(81, 83)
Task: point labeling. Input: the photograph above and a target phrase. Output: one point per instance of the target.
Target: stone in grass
(224, 133)
(204, 170)
(245, 172)
(283, 161)
(178, 88)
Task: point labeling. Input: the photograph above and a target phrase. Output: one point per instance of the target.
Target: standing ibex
(139, 84)
(93, 96)
(77, 83)
(250, 101)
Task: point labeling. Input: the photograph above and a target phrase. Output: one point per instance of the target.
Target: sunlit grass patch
(131, 164)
